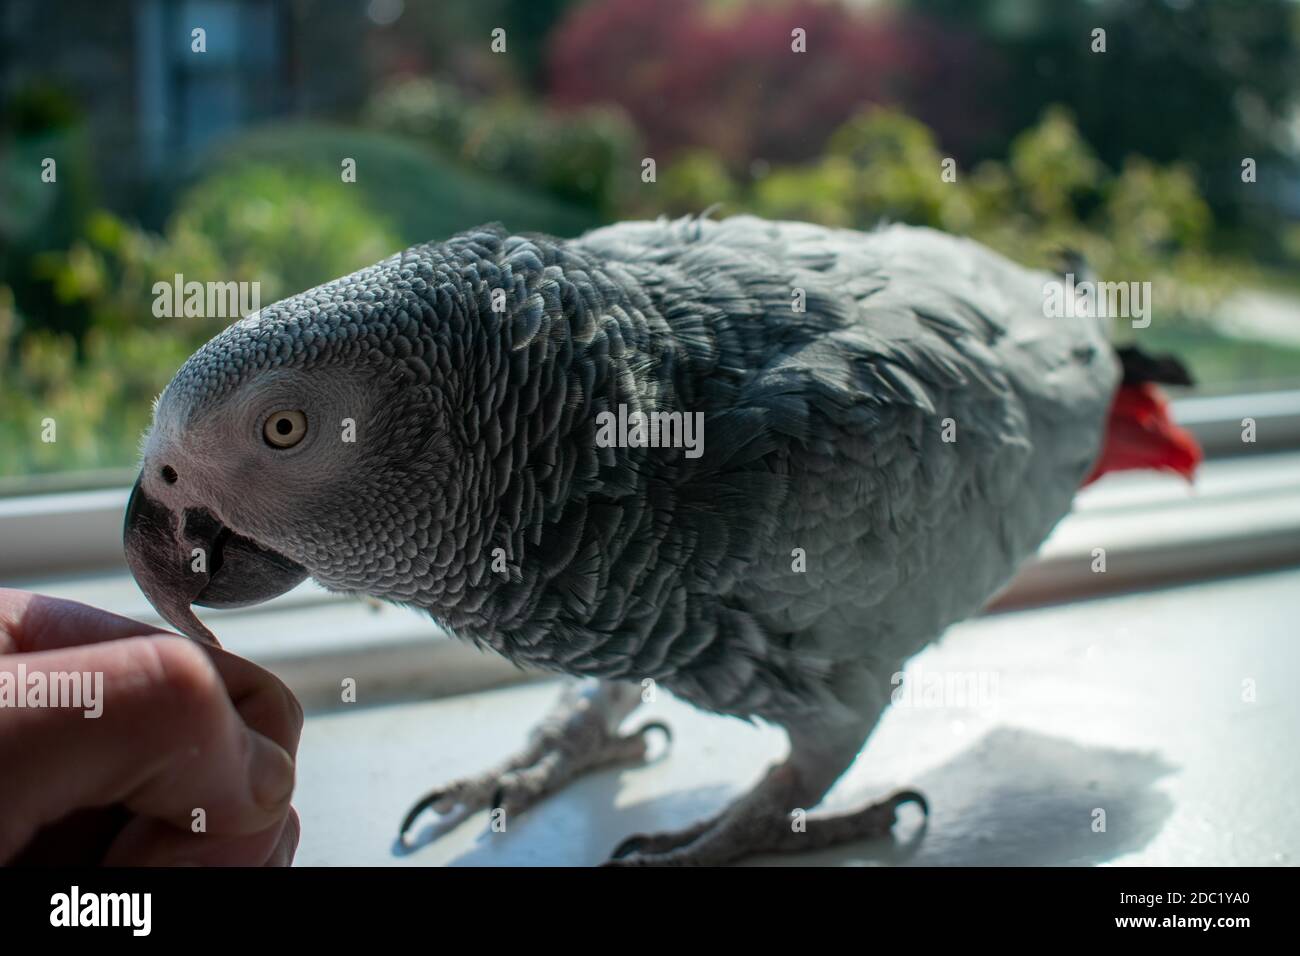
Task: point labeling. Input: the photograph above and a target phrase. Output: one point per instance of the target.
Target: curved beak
(180, 559)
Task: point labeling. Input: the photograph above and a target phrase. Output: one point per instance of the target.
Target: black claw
(413, 814)
(626, 848)
(658, 725)
(910, 796)
(498, 797)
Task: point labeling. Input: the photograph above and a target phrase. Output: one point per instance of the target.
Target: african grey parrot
(889, 423)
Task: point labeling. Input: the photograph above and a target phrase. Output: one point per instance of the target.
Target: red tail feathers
(1140, 434)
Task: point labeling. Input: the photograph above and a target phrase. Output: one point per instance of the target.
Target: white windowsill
(1130, 704)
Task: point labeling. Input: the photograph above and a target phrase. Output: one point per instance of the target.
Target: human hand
(183, 729)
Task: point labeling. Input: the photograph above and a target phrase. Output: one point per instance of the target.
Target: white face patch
(169, 419)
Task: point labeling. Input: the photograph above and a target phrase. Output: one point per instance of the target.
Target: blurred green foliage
(271, 208)
(1202, 82)
(578, 157)
(1049, 197)
(252, 224)
(424, 195)
(258, 224)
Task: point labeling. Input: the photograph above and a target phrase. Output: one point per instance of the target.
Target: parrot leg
(578, 735)
(764, 820)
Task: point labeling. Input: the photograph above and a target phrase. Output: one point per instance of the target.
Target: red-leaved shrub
(690, 74)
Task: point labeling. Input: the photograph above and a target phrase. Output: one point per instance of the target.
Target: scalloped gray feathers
(823, 431)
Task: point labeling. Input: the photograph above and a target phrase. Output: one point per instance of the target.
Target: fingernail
(271, 772)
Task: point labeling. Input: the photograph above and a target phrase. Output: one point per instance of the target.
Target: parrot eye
(285, 429)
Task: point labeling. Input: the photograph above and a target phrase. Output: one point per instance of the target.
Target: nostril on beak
(169, 474)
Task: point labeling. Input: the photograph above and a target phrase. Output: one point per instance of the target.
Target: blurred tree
(423, 194)
(583, 157)
(1205, 82)
(40, 122)
(724, 77)
(452, 42)
(1050, 194)
(257, 224)
(528, 23)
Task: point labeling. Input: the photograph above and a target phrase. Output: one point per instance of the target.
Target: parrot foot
(579, 735)
(760, 822)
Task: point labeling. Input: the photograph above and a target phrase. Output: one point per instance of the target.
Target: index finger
(263, 700)
(31, 623)
(36, 622)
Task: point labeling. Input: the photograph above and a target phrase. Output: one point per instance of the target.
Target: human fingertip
(271, 772)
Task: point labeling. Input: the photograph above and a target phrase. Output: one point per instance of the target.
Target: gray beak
(192, 558)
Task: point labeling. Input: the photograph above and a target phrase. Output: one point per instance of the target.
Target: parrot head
(291, 446)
